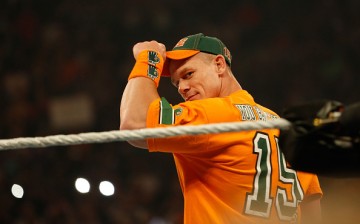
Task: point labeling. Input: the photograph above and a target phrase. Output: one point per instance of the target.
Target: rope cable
(128, 135)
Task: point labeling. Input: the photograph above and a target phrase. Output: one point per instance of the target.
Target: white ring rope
(126, 135)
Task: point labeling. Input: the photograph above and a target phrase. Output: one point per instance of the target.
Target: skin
(198, 77)
(203, 76)
(133, 115)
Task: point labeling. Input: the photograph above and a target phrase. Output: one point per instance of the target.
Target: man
(225, 178)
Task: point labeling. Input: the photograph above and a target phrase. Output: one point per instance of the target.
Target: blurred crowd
(64, 65)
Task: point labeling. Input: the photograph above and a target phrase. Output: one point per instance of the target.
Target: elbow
(127, 124)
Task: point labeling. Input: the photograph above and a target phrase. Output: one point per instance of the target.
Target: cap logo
(181, 42)
(227, 53)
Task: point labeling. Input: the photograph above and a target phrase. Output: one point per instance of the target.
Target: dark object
(350, 119)
(324, 138)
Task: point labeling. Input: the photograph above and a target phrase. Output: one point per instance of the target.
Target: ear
(220, 64)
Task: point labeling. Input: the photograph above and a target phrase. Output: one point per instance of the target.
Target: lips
(189, 98)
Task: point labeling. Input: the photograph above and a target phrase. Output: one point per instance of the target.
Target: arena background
(64, 65)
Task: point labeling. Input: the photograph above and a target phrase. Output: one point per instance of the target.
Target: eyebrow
(180, 70)
(183, 67)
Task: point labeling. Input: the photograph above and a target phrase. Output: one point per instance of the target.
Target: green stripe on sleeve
(166, 112)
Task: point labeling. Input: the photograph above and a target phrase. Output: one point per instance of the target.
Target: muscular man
(225, 178)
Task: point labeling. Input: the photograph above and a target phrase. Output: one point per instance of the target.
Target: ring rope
(126, 135)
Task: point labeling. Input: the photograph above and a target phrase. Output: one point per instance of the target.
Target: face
(196, 77)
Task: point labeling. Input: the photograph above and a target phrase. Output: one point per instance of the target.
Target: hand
(149, 45)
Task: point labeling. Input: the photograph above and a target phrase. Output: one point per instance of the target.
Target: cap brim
(176, 55)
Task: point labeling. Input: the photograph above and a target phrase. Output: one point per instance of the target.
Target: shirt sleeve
(163, 114)
(314, 187)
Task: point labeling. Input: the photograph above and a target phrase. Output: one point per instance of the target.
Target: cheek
(211, 88)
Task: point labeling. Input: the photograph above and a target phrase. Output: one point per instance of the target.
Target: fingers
(149, 45)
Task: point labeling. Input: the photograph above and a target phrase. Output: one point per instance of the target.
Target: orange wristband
(148, 64)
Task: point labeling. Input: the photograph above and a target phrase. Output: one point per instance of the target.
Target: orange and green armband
(148, 64)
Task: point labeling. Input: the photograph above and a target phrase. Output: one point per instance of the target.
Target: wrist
(148, 64)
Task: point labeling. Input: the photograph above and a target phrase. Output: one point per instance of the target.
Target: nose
(183, 87)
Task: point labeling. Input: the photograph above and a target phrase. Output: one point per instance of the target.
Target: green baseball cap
(193, 44)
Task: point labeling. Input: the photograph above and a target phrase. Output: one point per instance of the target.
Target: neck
(229, 85)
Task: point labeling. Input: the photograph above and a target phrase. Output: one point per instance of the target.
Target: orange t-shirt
(238, 177)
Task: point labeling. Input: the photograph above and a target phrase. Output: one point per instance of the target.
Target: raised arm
(141, 88)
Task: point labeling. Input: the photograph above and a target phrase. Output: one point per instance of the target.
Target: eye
(188, 74)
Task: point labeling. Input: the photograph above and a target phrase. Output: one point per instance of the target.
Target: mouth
(189, 98)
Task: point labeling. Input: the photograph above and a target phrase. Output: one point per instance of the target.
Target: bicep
(135, 102)
(136, 99)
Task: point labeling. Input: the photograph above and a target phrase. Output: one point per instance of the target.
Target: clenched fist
(149, 45)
